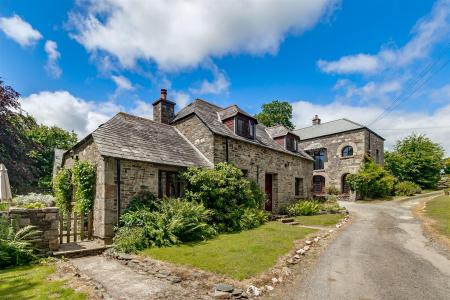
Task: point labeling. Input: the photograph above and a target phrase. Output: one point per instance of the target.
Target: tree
(371, 181)
(276, 113)
(446, 163)
(417, 159)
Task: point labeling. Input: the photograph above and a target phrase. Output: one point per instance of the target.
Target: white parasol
(5, 188)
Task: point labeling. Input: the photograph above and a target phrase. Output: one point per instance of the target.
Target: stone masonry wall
(375, 144)
(199, 135)
(46, 221)
(258, 161)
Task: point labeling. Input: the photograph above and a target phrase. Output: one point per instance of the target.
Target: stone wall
(46, 221)
(257, 161)
(336, 166)
(374, 143)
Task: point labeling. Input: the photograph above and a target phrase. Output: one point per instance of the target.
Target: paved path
(120, 281)
(382, 255)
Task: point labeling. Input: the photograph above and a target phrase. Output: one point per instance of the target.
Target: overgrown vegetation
(225, 191)
(16, 245)
(407, 188)
(303, 208)
(83, 179)
(371, 181)
(33, 200)
(26, 148)
(63, 190)
(416, 159)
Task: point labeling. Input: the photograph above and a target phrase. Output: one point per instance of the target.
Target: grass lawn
(238, 255)
(320, 220)
(438, 209)
(30, 282)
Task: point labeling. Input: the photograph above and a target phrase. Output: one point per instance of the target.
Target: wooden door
(268, 188)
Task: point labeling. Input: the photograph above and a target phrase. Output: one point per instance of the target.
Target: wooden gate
(75, 227)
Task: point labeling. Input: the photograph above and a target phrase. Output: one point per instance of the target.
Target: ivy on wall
(63, 189)
(84, 178)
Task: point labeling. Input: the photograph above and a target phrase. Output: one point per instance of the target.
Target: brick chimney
(163, 109)
(316, 120)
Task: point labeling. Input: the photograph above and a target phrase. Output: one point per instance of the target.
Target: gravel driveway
(382, 255)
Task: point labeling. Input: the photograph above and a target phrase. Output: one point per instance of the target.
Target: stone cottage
(134, 154)
(338, 149)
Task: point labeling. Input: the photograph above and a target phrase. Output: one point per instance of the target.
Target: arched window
(347, 151)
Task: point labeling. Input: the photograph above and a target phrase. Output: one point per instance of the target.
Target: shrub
(332, 190)
(252, 218)
(172, 222)
(225, 191)
(143, 199)
(4, 206)
(34, 200)
(130, 239)
(407, 188)
(83, 178)
(303, 208)
(15, 246)
(63, 188)
(372, 180)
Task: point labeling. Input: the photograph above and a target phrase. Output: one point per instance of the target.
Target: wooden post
(69, 225)
(61, 227)
(82, 218)
(75, 221)
(90, 223)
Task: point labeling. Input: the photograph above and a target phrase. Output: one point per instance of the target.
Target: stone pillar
(46, 220)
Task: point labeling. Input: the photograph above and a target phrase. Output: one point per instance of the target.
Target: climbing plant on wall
(63, 189)
(83, 178)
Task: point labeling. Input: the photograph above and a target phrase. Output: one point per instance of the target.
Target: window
(291, 143)
(347, 151)
(169, 184)
(298, 186)
(319, 157)
(245, 127)
(245, 172)
(377, 156)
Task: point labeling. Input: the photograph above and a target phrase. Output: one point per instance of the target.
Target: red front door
(268, 185)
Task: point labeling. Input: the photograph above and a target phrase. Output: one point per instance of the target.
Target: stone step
(294, 223)
(277, 217)
(287, 220)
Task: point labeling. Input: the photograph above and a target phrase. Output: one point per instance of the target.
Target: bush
(34, 200)
(172, 222)
(407, 188)
(143, 199)
(83, 178)
(332, 190)
(371, 181)
(303, 208)
(130, 239)
(63, 188)
(253, 218)
(225, 191)
(15, 246)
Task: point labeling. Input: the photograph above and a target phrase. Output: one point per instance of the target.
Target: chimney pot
(163, 94)
(316, 120)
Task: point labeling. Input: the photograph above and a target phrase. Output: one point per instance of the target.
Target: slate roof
(277, 131)
(209, 114)
(135, 138)
(329, 128)
(231, 111)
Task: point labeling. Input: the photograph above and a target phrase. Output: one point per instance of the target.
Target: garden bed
(239, 255)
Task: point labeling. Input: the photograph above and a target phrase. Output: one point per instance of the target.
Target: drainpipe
(226, 150)
(118, 189)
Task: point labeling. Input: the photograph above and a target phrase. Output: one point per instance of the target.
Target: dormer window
(291, 143)
(245, 127)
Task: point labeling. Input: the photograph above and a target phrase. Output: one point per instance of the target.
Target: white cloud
(20, 31)
(52, 67)
(427, 33)
(181, 99)
(179, 34)
(219, 85)
(382, 91)
(142, 109)
(393, 127)
(122, 82)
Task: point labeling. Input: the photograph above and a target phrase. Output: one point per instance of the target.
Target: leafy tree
(371, 181)
(416, 159)
(84, 178)
(47, 139)
(63, 189)
(276, 113)
(446, 163)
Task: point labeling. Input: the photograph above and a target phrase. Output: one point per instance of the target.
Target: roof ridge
(139, 118)
(324, 123)
(207, 102)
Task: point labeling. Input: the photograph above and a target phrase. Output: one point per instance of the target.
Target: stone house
(338, 149)
(134, 154)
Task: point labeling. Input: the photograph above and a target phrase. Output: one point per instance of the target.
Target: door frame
(268, 189)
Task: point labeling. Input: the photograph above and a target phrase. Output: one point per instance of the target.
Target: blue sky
(77, 63)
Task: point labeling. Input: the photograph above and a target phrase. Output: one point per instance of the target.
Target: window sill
(319, 170)
(347, 157)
